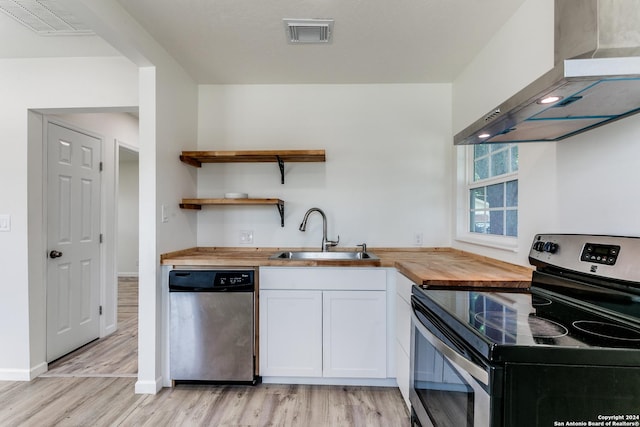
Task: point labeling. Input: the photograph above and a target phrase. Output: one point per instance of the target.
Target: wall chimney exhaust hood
(595, 80)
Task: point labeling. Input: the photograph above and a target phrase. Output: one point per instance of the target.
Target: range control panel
(614, 257)
(600, 254)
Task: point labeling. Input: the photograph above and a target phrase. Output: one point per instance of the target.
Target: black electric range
(578, 324)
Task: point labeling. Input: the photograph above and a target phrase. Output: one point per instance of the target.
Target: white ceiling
(243, 41)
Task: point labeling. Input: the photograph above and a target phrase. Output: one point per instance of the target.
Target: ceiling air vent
(308, 30)
(45, 17)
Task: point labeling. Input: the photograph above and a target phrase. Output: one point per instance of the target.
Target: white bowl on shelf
(236, 195)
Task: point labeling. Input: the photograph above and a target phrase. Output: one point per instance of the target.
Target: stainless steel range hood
(596, 78)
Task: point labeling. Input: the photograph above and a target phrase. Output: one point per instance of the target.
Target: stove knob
(550, 247)
(538, 246)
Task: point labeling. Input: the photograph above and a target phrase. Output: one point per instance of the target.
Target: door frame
(46, 120)
(116, 207)
(116, 156)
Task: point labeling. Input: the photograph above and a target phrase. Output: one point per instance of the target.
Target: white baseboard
(109, 330)
(23, 374)
(370, 382)
(148, 387)
(38, 370)
(15, 375)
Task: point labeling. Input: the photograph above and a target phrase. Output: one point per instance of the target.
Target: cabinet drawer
(323, 278)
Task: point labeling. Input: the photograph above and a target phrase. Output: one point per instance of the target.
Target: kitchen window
(492, 190)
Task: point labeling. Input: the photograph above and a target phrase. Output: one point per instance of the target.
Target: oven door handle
(474, 370)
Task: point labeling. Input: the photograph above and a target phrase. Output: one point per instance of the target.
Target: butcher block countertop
(430, 267)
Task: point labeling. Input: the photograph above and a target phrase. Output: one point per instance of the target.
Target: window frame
(463, 217)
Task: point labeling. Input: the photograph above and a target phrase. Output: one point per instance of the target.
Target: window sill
(495, 242)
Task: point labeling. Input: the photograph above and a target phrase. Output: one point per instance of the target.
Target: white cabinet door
(403, 333)
(402, 374)
(291, 333)
(355, 338)
(403, 312)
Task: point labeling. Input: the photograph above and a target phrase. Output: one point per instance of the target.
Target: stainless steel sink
(329, 256)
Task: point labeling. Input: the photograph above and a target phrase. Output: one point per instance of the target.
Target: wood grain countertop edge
(423, 266)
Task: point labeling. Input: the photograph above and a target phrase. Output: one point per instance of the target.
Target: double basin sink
(324, 256)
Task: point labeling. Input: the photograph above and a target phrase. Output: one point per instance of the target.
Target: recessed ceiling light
(484, 135)
(308, 30)
(45, 17)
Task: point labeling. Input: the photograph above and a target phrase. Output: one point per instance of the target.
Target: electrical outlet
(246, 237)
(417, 239)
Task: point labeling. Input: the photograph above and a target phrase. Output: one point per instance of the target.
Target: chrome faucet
(326, 243)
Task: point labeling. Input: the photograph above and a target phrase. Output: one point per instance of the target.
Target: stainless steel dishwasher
(212, 325)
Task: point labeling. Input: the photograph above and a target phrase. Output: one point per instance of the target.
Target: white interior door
(73, 237)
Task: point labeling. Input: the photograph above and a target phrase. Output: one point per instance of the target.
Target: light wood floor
(95, 387)
(115, 355)
(111, 402)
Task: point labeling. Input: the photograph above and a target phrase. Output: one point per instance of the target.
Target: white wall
(168, 115)
(128, 218)
(598, 177)
(387, 175)
(163, 181)
(39, 84)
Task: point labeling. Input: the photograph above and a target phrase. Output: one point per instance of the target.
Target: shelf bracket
(280, 207)
(281, 166)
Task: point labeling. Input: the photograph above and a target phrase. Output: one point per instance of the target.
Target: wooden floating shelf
(197, 204)
(197, 158)
(224, 201)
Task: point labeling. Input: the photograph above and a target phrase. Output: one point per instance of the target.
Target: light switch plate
(5, 222)
(164, 213)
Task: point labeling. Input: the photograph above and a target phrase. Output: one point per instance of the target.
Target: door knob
(55, 254)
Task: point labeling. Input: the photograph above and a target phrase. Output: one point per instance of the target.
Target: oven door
(446, 388)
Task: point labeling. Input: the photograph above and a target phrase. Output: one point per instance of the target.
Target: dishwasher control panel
(211, 280)
(233, 278)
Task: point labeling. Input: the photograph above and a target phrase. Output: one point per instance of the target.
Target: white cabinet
(354, 334)
(403, 334)
(291, 333)
(323, 322)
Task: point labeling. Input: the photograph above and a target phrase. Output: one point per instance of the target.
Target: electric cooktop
(581, 307)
